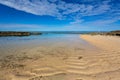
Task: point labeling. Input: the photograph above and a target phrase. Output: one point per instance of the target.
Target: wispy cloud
(104, 22)
(30, 27)
(55, 7)
(61, 9)
(77, 21)
(21, 26)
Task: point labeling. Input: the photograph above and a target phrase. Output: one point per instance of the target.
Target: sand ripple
(61, 63)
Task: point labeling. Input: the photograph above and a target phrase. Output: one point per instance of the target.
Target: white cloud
(104, 22)
(61, 9)
(49, 7)
(77, 21)
(36, 7)
(31, 27)
(21, 26)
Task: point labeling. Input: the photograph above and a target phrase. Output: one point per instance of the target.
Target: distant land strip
(111, 33)
(18, 33)
(14, 33)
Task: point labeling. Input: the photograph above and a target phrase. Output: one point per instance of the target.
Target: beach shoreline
(103, 41)
(62, 61)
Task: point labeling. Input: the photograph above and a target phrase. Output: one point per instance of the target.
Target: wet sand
(67, 60)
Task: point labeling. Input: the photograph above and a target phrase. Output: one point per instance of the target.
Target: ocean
(14, 44)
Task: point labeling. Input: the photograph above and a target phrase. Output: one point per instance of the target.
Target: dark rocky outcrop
(14, 33)
(112, 33)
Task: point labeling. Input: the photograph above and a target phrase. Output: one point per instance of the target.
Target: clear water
(14, 44)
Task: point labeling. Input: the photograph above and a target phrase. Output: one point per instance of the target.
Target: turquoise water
(38, 37)
(44, 39)
(15, 44)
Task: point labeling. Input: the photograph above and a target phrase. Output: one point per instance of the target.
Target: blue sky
(59, 15)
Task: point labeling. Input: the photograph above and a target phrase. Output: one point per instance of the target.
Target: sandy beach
(97, 59)
(59, 39)
(109, 59)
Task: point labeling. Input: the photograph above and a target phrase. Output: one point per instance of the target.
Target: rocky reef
(114, 33)
(111, 33)
(12, 33)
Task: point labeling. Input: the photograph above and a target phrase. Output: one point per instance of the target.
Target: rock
(13, 33)
(114, 33)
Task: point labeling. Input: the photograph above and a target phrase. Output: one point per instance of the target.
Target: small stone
(80, 57)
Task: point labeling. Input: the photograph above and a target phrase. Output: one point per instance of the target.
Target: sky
(59, 15)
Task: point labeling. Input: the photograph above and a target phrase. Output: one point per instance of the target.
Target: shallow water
(14, 44)
(48, 57)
